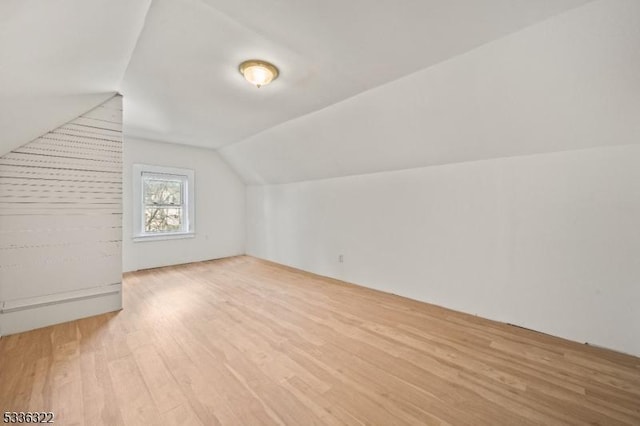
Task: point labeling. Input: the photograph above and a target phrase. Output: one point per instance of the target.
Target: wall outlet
(341, 258)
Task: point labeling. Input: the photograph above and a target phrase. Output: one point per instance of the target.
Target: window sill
(160, 237)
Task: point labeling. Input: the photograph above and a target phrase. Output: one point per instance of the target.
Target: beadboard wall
(61, 223)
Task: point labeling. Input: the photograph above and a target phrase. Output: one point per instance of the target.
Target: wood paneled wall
(61, 223)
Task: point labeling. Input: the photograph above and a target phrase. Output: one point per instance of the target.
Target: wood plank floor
(241, 341)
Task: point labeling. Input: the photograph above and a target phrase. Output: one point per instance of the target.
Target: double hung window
(163, 202)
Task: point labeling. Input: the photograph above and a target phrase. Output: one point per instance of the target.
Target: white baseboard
(27, 314)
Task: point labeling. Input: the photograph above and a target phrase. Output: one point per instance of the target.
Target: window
(163, 202)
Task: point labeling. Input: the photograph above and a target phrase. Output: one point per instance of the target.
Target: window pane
(162, 191)
(162, 219)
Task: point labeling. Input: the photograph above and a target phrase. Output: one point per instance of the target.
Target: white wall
(549, 242)
(219, 200)
(61, 223)
(503, 182)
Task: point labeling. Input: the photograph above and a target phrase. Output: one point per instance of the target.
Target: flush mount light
(258, 73)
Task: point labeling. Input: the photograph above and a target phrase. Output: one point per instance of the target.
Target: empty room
(285, 212)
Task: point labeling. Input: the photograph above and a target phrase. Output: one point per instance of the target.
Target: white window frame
(188, 195)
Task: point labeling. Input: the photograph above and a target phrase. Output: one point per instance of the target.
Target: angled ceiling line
(402, 77)
(135, 46)
(250, 28)
(181, 78)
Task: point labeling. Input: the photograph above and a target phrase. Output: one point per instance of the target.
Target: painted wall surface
(59, 60)
(61, 223)
(549, 242)
(219, 203)
(570, 82)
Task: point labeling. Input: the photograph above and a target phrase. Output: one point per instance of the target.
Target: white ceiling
(570, 82)
(59, 59)
(352, 74)
(182, 84)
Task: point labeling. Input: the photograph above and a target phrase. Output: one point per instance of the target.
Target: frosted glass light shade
(258, 73)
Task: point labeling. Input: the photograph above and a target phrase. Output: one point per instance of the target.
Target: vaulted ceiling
(183, 83)
(58, 59)
(378, 66)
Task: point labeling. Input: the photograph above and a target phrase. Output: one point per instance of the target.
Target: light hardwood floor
(245, 342)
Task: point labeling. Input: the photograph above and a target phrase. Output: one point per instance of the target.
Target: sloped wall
(61, 223)
(569, 82)
(503, 182)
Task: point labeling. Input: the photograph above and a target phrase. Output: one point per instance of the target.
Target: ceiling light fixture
(258, 73)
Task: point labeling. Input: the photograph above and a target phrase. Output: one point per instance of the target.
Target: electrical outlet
(341, 258)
